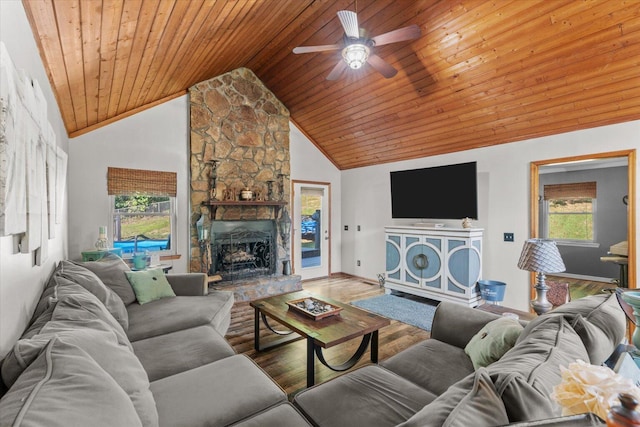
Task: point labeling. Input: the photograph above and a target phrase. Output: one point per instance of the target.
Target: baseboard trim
(363, 279)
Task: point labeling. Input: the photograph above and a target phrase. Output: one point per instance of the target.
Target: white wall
(21, 281)
(154, 139)
(503, 200)
(309, 164)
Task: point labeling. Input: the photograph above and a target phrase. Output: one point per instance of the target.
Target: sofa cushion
(175, 352)
(121, 364)
(447, 364)
(110, 269)
(64, 376)
(70, 324)
(71, 311)
(88, 280)
(369, 396)
(525, 376)
(173, 314)
(149, 285)
(600, 323)
(283, 415)
(492, 341)
(471, 401)
(216, 394)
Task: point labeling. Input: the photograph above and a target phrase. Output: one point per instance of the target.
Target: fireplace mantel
(245, 203)
(214, 204)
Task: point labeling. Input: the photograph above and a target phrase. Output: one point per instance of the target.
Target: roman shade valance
(574, 190)
(121, 181)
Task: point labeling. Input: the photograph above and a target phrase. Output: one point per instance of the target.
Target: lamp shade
(541, 256)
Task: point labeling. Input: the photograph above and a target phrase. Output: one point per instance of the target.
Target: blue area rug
(415, 313)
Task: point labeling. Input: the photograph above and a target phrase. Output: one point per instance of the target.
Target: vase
(633, 299)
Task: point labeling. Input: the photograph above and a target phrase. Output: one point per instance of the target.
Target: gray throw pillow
(600, 323)
(64, 386)
(111, 270)
(525, 376)
(88, 280)
(72, 311)
(100, 342)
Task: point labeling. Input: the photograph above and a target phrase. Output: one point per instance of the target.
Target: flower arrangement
(590, 388)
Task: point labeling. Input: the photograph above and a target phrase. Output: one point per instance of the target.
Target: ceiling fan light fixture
(355, 55)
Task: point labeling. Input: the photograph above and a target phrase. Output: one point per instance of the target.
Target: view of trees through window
(310, 205)
(142, 218)
(571, 219)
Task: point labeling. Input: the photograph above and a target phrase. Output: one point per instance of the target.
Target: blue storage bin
(492, 290)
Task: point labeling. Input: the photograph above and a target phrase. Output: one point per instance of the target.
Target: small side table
(499, 309)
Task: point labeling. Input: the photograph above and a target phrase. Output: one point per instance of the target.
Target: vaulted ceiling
(482, 72)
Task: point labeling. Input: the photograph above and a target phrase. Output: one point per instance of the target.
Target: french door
(311, 225)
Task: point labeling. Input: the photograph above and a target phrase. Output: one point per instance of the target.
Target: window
(142, 209)
(570, 212)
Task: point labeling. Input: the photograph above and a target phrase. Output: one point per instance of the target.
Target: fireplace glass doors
(243, 249)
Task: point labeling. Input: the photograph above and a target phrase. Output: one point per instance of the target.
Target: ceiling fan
(358, 50)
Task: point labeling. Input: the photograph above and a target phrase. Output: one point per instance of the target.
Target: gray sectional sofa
(434, 383)
(92, 355)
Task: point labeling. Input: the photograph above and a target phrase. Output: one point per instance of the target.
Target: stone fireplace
(239, 144)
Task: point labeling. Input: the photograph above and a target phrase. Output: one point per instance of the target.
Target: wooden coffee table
(349, 323)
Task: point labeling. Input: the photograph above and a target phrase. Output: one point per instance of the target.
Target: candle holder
(213, 177)
(281, 178)
(269, 190)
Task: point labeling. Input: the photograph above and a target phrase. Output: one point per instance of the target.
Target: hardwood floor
(580, 288)
(287, 364)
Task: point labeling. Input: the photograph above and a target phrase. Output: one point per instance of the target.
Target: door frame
(295, 182)
(534, 192)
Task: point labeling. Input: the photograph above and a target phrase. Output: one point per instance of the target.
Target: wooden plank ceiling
(482, 73)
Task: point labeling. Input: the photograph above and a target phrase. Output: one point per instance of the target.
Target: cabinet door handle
(420, 261)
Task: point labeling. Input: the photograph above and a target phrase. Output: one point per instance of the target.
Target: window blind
(121, 181)
(575, 190)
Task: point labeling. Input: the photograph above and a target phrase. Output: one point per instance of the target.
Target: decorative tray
(314, 308)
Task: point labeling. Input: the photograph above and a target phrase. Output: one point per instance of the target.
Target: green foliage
(310, 203)
(137, 203)
(571, 219)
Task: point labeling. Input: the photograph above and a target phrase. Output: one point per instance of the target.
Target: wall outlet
(358, 263)
(358, 228)
(508, 237)
(346, 228)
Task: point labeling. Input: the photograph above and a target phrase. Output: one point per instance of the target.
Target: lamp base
(541, 305)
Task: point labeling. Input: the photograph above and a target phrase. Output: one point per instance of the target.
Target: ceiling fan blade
(381, 66)
(349, 21)
(401, 34)
(322, 48)
(337, 70)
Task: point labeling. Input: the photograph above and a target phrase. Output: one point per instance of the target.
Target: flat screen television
(441, 192)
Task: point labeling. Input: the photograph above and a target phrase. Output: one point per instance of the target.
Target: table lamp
(541, 256)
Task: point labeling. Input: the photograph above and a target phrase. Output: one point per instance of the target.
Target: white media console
(439, 263)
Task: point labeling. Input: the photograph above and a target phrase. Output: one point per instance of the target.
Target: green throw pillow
(492, 341)
(149, 285)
